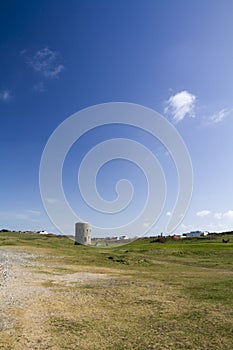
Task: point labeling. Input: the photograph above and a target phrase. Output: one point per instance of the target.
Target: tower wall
(83, 233)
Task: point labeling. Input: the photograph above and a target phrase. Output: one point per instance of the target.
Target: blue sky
(175, 57)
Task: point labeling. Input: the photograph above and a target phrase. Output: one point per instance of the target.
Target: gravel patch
(20, 285)
(79, 277)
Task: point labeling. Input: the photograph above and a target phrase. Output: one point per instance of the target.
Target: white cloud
(218, 216)
(168, 213)
(219, 116)
(203, 213)
(180, 105)
(227, 215)
(47, 62)
(5, 95)
(223, 223)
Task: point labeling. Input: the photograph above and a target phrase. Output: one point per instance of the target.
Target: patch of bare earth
(26, 302)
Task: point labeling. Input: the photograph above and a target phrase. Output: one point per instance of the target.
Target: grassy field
(172, 295)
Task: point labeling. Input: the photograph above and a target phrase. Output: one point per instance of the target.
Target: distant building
(123, 237)
(194, 234)
(83, 233)
(175, 236)
(43, 233)
(205, 233)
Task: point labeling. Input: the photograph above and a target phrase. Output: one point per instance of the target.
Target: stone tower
(83, 233)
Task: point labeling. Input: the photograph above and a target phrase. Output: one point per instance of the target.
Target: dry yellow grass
(57, 304)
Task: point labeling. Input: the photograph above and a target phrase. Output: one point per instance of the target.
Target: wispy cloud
(34, 212)
(5, 95)
(39, 87)
(25, 215)
(180, 105)
(227, 215)
(203, 213)
(52, 200)
(46, 62)
(28, 215)
(21, 216)
(219, 116)
(218, 216)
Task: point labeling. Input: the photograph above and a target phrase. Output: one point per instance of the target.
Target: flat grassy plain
(175, 295)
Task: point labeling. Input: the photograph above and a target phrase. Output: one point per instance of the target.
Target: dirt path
(25, 300)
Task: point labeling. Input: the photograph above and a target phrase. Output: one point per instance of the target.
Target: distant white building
(123, 237)
(43, 233)
(194, 234)
(83, 233)
(205, 233)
